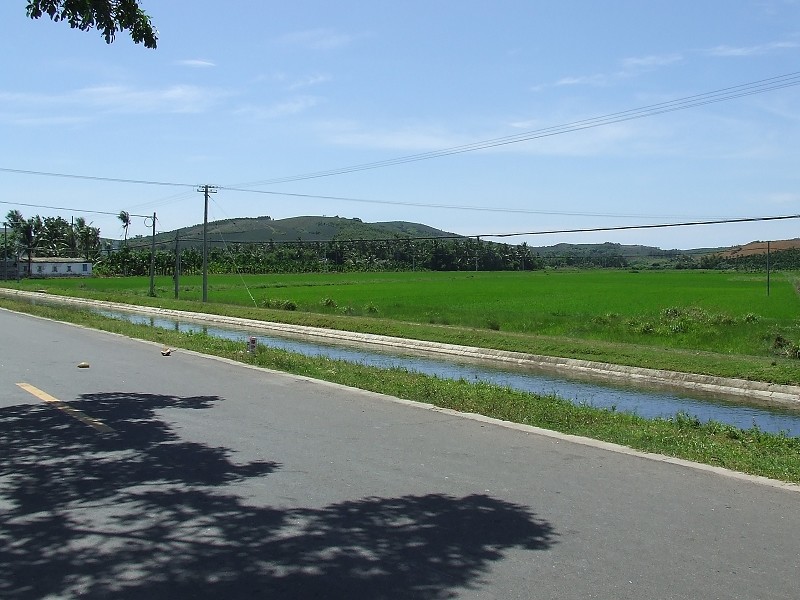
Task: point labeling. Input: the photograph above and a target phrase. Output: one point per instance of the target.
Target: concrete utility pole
(177, 277)
(767, 267)
(206, 190)
(5, 250)
(153, 259)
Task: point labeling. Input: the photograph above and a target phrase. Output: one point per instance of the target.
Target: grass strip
(749, 451)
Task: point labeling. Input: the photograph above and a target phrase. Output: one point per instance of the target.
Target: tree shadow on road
(142, 513)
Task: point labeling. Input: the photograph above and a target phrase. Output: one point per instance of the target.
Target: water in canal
(644, 402)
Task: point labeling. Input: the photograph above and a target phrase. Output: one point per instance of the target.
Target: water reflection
(647, 403)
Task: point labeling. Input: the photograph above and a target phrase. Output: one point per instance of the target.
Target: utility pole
(206, 190)
(153, 259)
(5, 250)
(177, 276)
(767, 267)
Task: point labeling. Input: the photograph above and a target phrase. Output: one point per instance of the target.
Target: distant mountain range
(260, 230)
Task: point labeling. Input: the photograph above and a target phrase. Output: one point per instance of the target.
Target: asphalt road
(145, 476)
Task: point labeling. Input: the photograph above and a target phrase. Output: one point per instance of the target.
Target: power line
(715, 96)
(446, 206)
(95, 178)
(655, 226)
(185, 195)
(73, 210)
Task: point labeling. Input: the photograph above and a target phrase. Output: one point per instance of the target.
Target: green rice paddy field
(583, 314)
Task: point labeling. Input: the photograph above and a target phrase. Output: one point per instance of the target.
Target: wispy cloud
(782, 198)
(86, 103)
(316, 39)
(629, 67)
(39, 120)
(172, 99)
(760, 49)
(409, 138)
(309, 81)
(650, 62)
(195, 63)
(595, 80)
(277, 110)
(414, 138)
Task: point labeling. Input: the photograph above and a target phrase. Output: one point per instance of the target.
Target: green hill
(261, 230)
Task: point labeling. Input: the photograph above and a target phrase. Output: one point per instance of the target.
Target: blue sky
(248, 91)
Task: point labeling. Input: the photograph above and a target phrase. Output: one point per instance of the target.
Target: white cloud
(309, 81)
(630, 68)
(621, 139)
(736, 51)
(650, 62)
(316, 39)
(781, 199)
(172, 99)
(279, 109)
(84, 104)
(412, 138)
(584, 80)
(37, 120)
(196, 63)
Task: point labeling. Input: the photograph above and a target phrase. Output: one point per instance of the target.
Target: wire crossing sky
(575, 116)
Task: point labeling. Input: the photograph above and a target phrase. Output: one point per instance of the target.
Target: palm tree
(30, 231)
(87, 238)
(14, 219)
(125, 217)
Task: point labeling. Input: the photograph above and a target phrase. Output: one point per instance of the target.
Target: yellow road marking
(62, 406)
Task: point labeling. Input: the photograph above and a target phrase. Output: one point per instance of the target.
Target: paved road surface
(153, 477)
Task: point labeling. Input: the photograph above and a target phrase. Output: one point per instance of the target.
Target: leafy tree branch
(107, 16)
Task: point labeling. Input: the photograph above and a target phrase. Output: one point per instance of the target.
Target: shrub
(279, 304)
(785, 347)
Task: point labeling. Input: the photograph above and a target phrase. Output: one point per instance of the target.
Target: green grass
(713, 323)
(749, 451)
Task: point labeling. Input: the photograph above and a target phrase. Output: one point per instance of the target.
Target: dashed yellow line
(72, 412)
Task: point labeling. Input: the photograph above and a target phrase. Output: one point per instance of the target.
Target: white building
(55, 267)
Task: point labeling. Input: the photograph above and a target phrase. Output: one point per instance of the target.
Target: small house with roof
(55, 267)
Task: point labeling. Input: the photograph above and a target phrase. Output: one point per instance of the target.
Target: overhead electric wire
(654, 226)
(446, 206)
(720, 95)
(96, 178)
(168, 200)
(75, 210)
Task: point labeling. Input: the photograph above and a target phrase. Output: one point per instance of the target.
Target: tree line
(37, 236)
(404, 254)
(49, 237)
(398, 254)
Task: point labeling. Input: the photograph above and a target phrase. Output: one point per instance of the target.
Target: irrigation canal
(646, 402)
